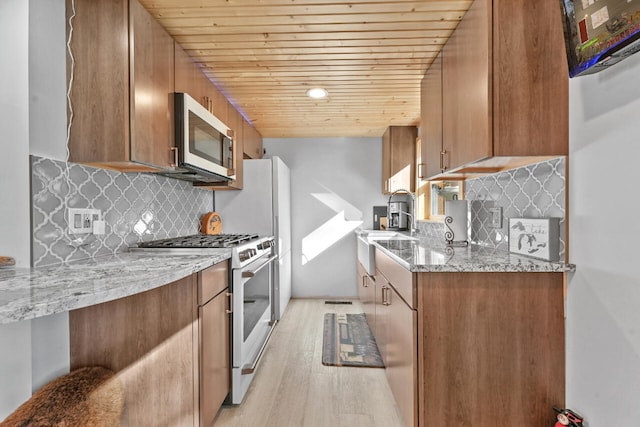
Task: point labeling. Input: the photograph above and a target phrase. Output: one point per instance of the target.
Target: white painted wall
(33, 121)
(603, 306)
(47, 79)
(47, 138)
(349, 168)
(15, 339)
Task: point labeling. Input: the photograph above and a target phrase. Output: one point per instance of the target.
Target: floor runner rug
(348, 341)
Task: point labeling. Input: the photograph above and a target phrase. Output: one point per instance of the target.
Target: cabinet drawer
(212, 281)
(398, 276)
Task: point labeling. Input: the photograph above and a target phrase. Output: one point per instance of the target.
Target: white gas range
(251, 284)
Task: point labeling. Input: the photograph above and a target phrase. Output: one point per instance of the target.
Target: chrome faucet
(411, 215)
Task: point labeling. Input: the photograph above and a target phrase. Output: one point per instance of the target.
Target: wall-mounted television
(599, 33)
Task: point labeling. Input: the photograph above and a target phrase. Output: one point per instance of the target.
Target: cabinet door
(217, 103)
(100, 91)
(252, 141)
(367, 295)
(186, 80)
(381, 316)
(152, 80)
(386, 160)
(467, 109)
(148, 340)
(398, 158)
(431, 120)
(531, 88)
(402, 355)
(369, 303)
(215, 368)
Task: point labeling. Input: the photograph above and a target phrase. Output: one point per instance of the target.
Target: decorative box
(535, 237)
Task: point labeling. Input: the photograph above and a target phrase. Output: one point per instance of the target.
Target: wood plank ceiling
(370, 55)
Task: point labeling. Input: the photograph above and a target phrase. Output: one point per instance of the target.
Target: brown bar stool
(91, 396)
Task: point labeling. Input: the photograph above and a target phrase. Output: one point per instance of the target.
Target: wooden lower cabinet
(396, 334)
(367, 295)
(477, 349)
(170, 347)
(490, 348)
(215, 341)
(148, 340)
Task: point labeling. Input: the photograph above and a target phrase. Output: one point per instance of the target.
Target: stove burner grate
(200, 241)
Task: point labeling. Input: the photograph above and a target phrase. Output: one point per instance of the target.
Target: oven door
(253, 320)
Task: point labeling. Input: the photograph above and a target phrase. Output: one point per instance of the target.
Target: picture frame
(535, 237)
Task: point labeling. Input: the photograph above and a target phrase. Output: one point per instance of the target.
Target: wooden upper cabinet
(530, 79)
(504, 89)
(190, 78)
(398, 158)
(218, 104)
(122, 91)
(186, 77)
(152, 81)
(467, 89)
(431, 120)
(252, 141)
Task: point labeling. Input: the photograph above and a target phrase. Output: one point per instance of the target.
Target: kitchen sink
(366, 249)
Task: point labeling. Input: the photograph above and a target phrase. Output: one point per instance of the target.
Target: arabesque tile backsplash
(139, 207)
(534, 191)
(136, 207)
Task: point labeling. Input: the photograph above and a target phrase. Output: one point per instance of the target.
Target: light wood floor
(293, 388)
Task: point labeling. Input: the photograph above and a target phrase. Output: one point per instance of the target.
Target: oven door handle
(250, 369)
(251, 273)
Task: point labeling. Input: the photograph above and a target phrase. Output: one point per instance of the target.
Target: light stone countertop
(427, 255)
(27, 293)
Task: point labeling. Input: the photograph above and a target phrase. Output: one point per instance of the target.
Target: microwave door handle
(175, 157)
(251, 273)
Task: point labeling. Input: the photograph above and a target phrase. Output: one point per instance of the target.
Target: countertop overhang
(27, 293)
(420, 255)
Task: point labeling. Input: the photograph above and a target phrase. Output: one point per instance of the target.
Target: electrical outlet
(81, 220)
(496, 217)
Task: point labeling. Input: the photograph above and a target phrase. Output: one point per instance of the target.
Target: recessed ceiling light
(317, 93)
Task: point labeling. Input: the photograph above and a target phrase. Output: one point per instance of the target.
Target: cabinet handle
(385, 296)
(420, 170)
(175, 157)
(230, 309)
(364, 282)
(442, 165)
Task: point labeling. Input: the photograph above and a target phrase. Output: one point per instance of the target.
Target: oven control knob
(246, 254)
(266, 244)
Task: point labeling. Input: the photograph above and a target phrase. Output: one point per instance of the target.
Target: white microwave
(204, 146)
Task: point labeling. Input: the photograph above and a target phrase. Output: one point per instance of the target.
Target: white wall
(47, 79)
(15, 349)
(33, 121)
(603, 316)
(348, 169)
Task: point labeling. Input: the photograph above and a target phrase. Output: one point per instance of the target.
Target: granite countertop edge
(28, 293)
(472, 258)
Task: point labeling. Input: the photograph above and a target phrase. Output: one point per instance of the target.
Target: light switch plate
(496, 217)
(81, 220)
